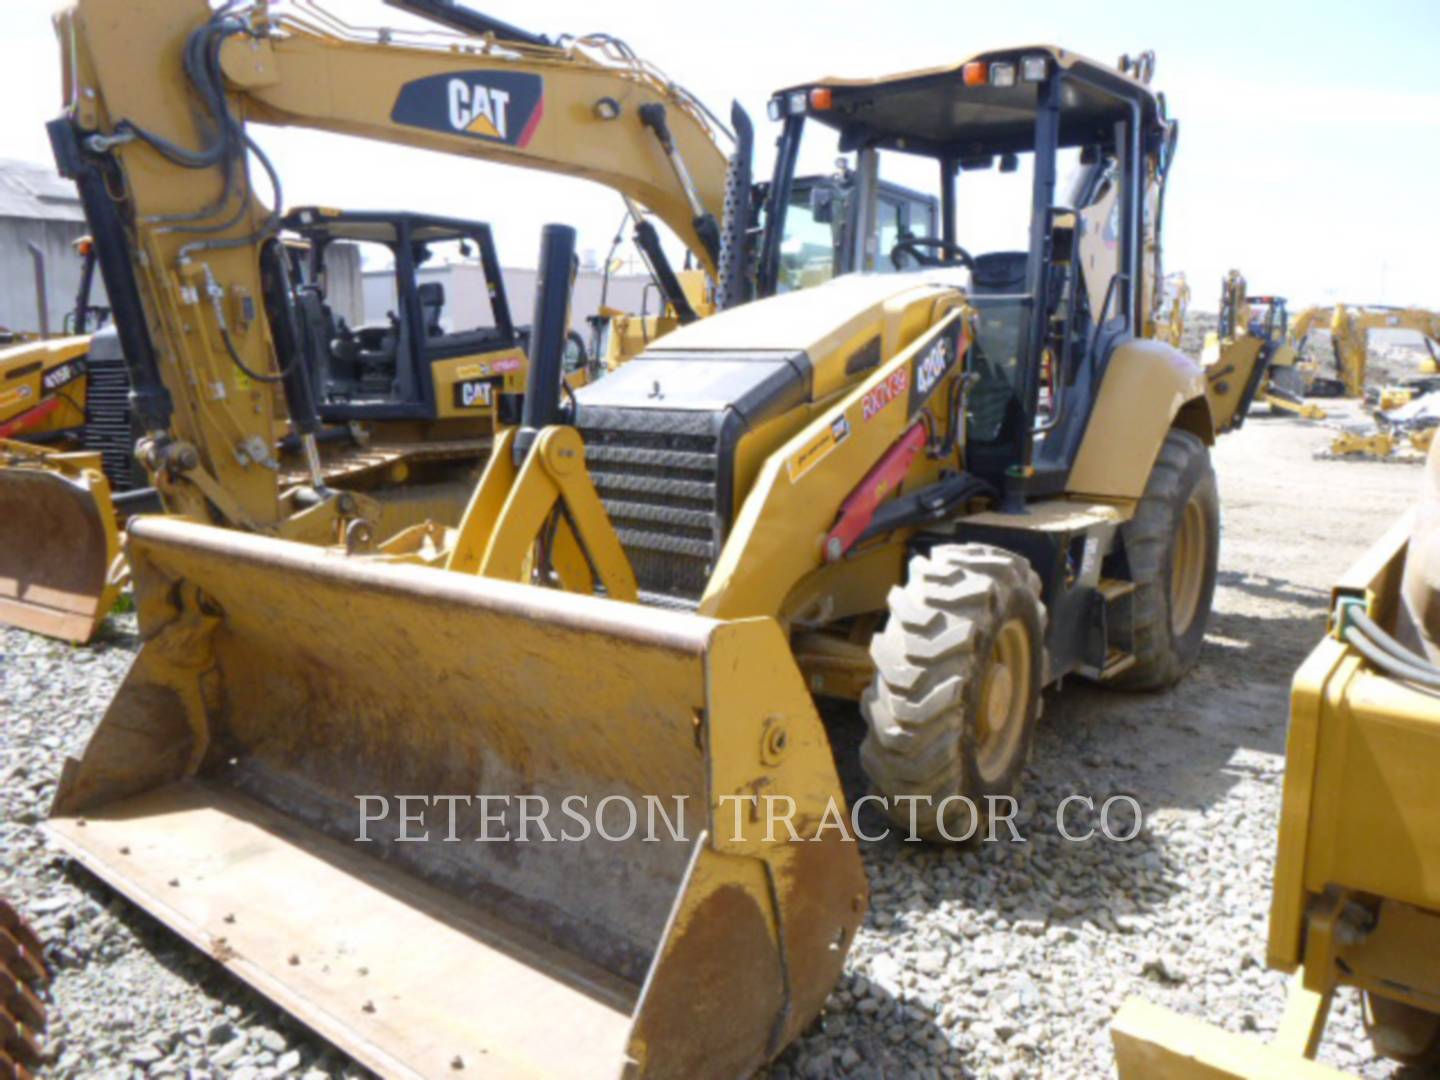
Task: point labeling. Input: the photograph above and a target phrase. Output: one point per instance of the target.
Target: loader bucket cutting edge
(58, 540)
(279, 682)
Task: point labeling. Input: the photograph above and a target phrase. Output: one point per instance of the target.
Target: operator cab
(1269, 319)
(1057, 275)
(372, 354)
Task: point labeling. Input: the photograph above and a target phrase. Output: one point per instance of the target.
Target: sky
(1309, 143)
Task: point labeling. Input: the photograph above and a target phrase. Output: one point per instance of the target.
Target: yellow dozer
(1357, 876)
(65, 450)
(935, 491)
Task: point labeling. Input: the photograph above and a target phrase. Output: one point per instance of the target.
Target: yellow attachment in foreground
(280, 683)
(1153, 1043)
(59, 547)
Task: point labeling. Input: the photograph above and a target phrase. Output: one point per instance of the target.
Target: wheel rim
(1004, 699)
(1187, 568)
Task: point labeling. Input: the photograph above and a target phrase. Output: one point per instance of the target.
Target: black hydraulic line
(245, 369)
(144, 500)
(467, 20)
(549, 330)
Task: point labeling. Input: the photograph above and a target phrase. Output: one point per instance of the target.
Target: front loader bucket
(58, 543)
(284, 691)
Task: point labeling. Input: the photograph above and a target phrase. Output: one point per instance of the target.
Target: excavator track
(23, 979)
(353, 463)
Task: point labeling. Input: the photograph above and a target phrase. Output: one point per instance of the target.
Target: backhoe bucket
(58, 543)
(347, 781)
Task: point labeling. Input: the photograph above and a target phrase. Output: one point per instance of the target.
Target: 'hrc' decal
(498, 106)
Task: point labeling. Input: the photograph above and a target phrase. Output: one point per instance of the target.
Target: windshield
(822, 215)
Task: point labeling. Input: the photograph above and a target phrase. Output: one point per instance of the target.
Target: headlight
(1002, 75)
(1034, 68)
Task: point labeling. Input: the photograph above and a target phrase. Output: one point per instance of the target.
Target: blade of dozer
(278, 683)
(58, 541)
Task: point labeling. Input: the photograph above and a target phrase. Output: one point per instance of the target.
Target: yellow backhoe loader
(1357, 875)
(937, 492)
(1248, 357)
(1349, 326)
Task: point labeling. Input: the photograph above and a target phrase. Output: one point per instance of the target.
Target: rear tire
(951, 710)
(1173, 547)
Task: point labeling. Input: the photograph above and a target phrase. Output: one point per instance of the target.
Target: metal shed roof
(36, 193)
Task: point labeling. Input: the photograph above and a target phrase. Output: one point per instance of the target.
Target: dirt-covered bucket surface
(1000, 960)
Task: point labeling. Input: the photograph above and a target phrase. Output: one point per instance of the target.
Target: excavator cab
(401, 350)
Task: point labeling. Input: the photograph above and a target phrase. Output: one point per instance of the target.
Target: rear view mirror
(1009, 163)
(822, 203)
(977, 162)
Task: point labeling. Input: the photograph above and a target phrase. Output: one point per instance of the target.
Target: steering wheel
(914, 245)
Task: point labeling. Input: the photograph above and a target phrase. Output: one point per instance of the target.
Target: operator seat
(998, 273)
(432, 303)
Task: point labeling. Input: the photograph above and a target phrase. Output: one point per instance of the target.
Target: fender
(1148, 388)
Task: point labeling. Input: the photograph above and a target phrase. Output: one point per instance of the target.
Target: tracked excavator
(217, 440)
(936, 492)
(1350, 326)
(389, 418)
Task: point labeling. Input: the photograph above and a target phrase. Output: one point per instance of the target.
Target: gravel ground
(1003, 960)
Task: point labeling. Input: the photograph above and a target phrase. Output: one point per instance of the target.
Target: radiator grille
(107, 421)
(659, 475)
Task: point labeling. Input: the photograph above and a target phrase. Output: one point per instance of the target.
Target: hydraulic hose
(1382, 650)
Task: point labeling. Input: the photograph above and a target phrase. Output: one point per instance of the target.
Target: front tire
(951, 710)
(1173, 548)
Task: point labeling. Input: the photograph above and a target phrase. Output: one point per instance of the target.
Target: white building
(38, 207)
